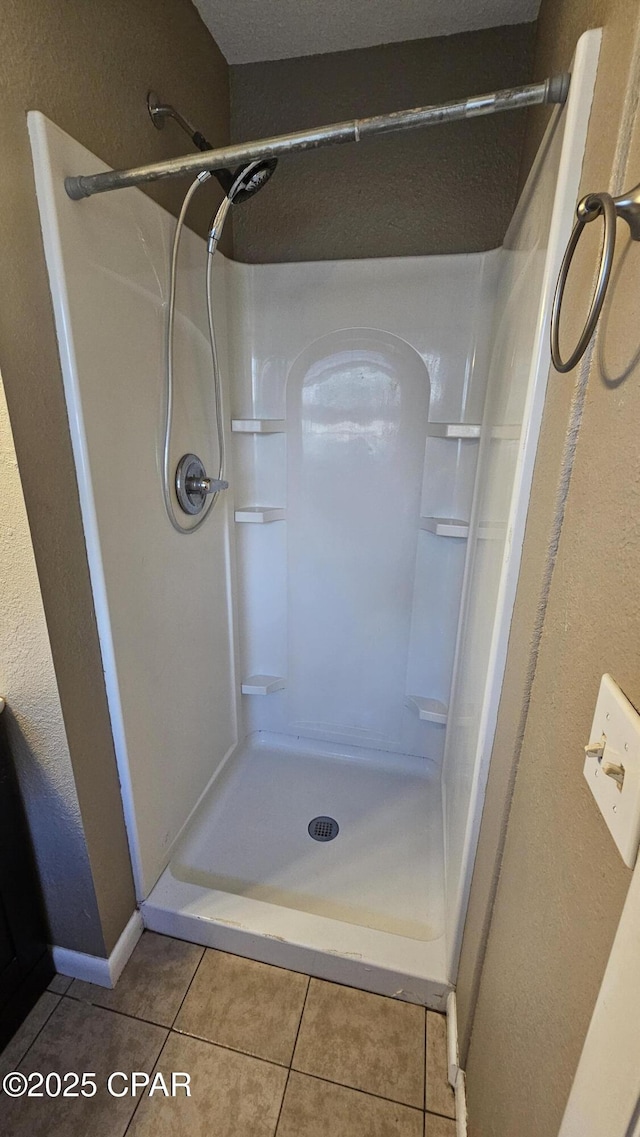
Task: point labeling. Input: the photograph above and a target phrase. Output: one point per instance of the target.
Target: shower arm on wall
(554, 90)
(160, 112)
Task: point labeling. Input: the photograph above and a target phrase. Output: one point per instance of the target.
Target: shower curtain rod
(552, 90)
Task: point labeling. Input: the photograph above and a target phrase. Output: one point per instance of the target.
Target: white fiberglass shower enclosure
(331, 642)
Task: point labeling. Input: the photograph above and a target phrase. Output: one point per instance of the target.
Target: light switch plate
(618, 724)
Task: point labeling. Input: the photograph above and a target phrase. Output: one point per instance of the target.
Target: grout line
(189, 984)
(293, 1050)
(304, 1003)
(258, 1057)
(270, 1062)
(135, 1110)
(129, 1014)
(426, 1043)
(359, 1090)
(231, 1049)
(444, 1116)
(174, 1030)
(362, 990)
(36, 1036)
(153, 1068)
(116, 1011)
(59, 975)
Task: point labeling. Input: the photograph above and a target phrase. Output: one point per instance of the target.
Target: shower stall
(303, 693)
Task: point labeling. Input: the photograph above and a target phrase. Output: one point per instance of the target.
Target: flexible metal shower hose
(169, 377)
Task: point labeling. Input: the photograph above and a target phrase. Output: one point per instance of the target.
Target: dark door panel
(25, 960)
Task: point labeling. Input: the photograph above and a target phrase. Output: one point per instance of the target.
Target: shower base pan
(365, 908)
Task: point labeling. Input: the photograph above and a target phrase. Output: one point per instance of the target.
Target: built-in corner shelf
(258, 514)
(258, 425)
(445, 526)
(428, 710)
(453, 430)
(262, 684)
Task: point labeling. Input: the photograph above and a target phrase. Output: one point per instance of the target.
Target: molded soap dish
(258, 514)
(262, 684)
(258, 425)
(445, 526)
(428, 710)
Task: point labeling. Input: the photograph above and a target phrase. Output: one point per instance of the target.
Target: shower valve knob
(193, 485)
(206, 485)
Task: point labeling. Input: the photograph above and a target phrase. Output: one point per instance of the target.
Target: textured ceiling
(250, 30)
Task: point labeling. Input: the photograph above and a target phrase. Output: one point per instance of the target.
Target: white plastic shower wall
(519, 368)
(338, 370)
(164, 602)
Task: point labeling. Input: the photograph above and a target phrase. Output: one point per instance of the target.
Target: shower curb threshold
(179, 909)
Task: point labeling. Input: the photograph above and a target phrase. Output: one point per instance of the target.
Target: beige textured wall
(34, 719)
(552, 905)
(88, 67)
(447, 189)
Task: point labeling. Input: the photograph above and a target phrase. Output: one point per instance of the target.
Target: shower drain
(323, 828)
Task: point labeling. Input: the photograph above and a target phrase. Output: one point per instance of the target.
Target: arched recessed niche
(357, 413)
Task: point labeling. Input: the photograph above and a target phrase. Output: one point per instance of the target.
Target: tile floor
(269, 1052)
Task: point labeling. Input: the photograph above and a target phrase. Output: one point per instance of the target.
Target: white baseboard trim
(95, 969)
(461, 1105)
(454, 1073)
(453, 1064)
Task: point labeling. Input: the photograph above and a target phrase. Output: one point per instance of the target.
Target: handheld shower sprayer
(246, 181)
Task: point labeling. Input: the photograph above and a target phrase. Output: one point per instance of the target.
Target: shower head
(238, 186)
(245, 181)
(258, 173)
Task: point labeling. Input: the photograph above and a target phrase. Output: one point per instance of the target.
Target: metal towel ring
(588, 209)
